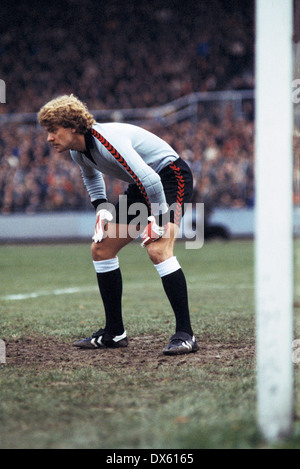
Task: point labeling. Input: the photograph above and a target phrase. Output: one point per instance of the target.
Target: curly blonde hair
(66, 111)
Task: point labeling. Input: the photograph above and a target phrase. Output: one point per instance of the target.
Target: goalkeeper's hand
(152, 232)
(103, 216)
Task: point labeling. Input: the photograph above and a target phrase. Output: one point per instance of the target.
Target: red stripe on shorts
(180, 193)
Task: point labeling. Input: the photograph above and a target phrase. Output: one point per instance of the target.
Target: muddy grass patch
(143, 351)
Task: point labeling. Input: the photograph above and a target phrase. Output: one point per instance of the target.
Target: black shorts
(177, 181)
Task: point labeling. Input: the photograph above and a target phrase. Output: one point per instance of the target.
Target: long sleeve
(92, 178)
(95, 185)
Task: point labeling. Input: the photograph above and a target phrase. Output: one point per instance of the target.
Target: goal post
(274, 217)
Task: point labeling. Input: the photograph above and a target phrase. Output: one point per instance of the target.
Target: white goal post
(274, 217)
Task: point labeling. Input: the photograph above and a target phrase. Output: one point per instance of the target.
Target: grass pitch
(53, 396)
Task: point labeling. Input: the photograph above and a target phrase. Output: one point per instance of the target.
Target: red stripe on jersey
(180, 193)
(121, 160)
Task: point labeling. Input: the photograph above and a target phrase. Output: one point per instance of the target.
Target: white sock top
(167, 267)
(107, 265)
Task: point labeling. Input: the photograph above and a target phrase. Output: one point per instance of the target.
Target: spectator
(35, 178)
(126, 55)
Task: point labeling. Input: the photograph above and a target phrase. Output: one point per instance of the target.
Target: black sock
(110, 286)
(176, 290)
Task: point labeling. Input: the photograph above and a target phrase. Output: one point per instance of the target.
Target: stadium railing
(186, 107)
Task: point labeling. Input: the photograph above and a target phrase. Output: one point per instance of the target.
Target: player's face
(60, 138)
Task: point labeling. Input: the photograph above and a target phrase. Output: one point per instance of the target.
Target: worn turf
(53, 395)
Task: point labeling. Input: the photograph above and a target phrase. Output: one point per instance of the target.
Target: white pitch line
(62, 291)
(218, 286)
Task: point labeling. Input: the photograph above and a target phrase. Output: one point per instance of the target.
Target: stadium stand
(116, 55)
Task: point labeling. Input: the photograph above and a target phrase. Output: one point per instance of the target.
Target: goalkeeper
(158, 180)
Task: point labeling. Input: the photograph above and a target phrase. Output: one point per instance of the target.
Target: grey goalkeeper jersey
(129, 153)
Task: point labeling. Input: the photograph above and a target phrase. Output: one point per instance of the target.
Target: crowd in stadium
(126, 55)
